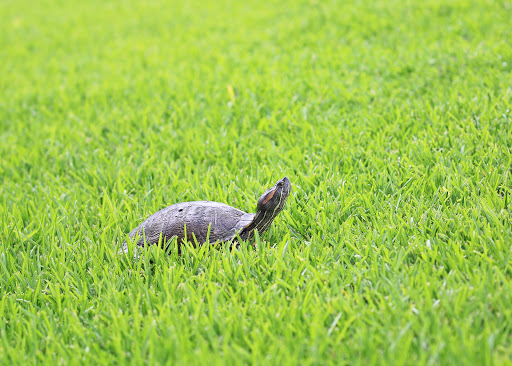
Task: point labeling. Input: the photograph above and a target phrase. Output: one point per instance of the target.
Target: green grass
(392, 120)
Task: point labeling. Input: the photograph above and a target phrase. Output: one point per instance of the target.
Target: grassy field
(391, 118)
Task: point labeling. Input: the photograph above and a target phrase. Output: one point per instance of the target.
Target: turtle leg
(124, 250)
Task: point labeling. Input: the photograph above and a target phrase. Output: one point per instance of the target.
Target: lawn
(392, 120)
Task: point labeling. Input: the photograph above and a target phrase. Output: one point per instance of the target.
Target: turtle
(207, 221)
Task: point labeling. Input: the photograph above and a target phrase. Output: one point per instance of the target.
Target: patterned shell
(195, 218)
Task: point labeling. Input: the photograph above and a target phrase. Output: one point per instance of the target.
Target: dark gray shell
(170, 222)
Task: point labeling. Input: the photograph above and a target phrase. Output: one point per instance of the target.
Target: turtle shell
(194, 218)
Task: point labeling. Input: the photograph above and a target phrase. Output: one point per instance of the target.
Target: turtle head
(269, 205)
(273, 200)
